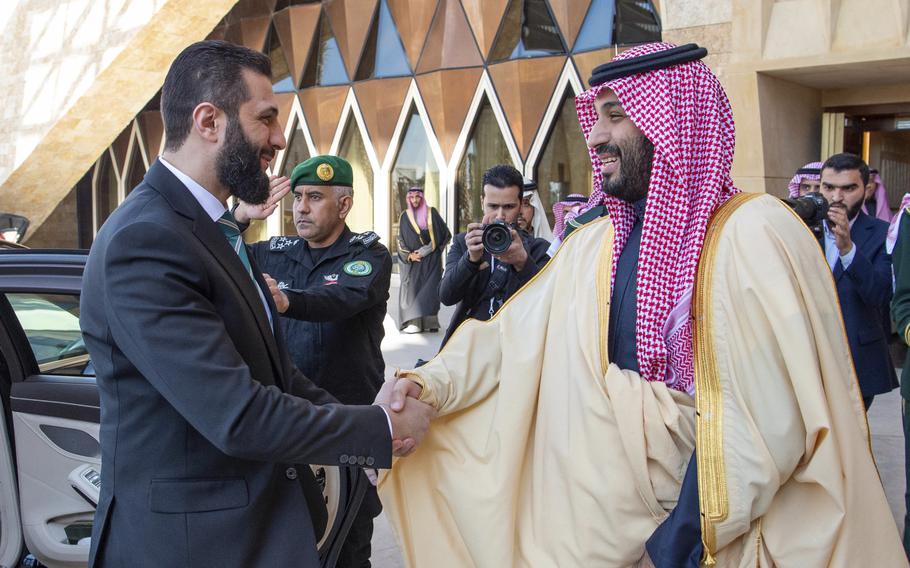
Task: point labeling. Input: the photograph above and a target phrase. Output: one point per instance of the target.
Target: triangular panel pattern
(450, 42)
(285, 104)
(513, 80)
(413, 18)
(587, 61)
(253, 32)
(570, 14)
(383, 54)
(325, 65)
(350, 21)
(322, 108)
(484, 16)
(447, 107)
(527, 30)
(282, 81)
(597, 30)
(296, 26)
(380, 104)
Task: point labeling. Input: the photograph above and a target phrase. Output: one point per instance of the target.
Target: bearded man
(683, 317)
(532, 218)
(203, 415)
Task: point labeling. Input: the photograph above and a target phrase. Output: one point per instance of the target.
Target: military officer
(331, 286)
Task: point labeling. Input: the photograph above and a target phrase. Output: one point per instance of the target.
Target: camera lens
(496, 237)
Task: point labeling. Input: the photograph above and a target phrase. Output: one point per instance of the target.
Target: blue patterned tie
(228, 226)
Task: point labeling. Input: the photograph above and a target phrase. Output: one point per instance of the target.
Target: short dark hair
(503, 176)
(207, 71)
(847, 162)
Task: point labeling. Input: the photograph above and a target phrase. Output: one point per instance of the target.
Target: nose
(599, 134)
(276, 137)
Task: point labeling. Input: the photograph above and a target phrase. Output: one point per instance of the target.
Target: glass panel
(105, 188)
(414, 166)
(51, 324)
(281, 73)
(597, 29)
(527, 30)
(296, 153)
(137, 169)
(384, 55)
(486, 148)
(564, 166)
(325, 66)
(636, 22)
(353, 150)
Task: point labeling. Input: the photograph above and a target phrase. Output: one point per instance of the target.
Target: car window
(51, 323)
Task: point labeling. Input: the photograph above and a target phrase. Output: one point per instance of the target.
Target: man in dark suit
(203, 416)
(478, 281)
(854, 244)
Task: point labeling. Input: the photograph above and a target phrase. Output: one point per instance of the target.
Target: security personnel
(331, 286)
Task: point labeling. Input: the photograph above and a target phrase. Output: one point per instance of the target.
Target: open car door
(53, 401)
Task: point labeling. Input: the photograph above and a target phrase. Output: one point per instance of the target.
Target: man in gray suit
(203, 415)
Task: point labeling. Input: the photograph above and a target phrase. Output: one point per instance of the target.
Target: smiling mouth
(608, 159)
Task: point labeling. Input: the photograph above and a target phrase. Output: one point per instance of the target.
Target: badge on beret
(358, 268)
(325, 172)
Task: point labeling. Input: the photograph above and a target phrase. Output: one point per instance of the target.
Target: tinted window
(51, 323)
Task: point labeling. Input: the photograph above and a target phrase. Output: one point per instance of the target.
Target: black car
(50, 457)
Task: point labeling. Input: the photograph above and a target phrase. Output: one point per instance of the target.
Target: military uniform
(333, 325)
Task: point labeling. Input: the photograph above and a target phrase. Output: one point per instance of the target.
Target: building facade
(433, 92)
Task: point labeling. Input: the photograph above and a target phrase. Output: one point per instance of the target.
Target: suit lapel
(214, 240)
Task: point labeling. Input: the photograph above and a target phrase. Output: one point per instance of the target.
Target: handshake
(410, 418)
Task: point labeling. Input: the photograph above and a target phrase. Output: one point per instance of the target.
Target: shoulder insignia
(367, 239)
(281, 243)
(358, 268)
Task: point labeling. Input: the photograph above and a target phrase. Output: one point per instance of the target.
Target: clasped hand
(410, 418)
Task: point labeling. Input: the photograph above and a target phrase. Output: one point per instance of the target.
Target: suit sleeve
(203, 376)
(871, 274)
(460, 274)
(350, 296)
(900, 305)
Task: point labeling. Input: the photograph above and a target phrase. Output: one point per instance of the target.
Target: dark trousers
(906, 421)
(356, 550)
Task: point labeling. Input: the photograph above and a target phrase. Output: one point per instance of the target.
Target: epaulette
(281, 243)
(367, 239)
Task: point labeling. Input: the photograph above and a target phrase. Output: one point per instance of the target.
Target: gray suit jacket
(203, 416)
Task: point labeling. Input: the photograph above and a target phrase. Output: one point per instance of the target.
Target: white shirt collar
(209, 202)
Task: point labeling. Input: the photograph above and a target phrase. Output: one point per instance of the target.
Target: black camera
(497, 237)
(812, 208)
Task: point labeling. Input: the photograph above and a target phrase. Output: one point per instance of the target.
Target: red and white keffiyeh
(793, 186)
(685, 113)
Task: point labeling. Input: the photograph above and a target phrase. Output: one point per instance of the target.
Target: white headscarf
(540, 225)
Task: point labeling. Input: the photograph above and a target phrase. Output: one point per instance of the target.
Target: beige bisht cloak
(545, 454)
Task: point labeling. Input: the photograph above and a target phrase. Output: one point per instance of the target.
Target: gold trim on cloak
(413, 221)
(709, 448)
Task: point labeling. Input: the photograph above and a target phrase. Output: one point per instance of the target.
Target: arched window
(414, 166)
(486, 148)
(105, 188)
(135, 169)
(354, 151)
(564, 166)
(297, 152)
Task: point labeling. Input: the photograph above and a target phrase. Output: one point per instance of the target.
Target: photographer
(478, 281)
(854, 245)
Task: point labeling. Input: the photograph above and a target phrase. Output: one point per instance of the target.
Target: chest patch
(283, 285)
(358, 268)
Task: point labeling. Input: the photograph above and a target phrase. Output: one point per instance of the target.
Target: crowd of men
(565, 431)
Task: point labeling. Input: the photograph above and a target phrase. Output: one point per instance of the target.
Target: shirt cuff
(846, 259)
(388, 419)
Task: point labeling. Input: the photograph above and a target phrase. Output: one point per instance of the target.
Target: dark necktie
(228, 226)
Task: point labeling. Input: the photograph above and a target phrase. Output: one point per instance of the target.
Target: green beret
(323, 170)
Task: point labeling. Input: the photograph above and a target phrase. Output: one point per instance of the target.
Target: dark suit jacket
(203, 416)
(864, 290)
(466, 284)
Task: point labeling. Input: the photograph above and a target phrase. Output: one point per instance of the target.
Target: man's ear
(345, 203)
(208, 122)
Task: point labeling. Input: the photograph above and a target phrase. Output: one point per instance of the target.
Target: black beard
(634, 170)
(854, 211)
(238, 167)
